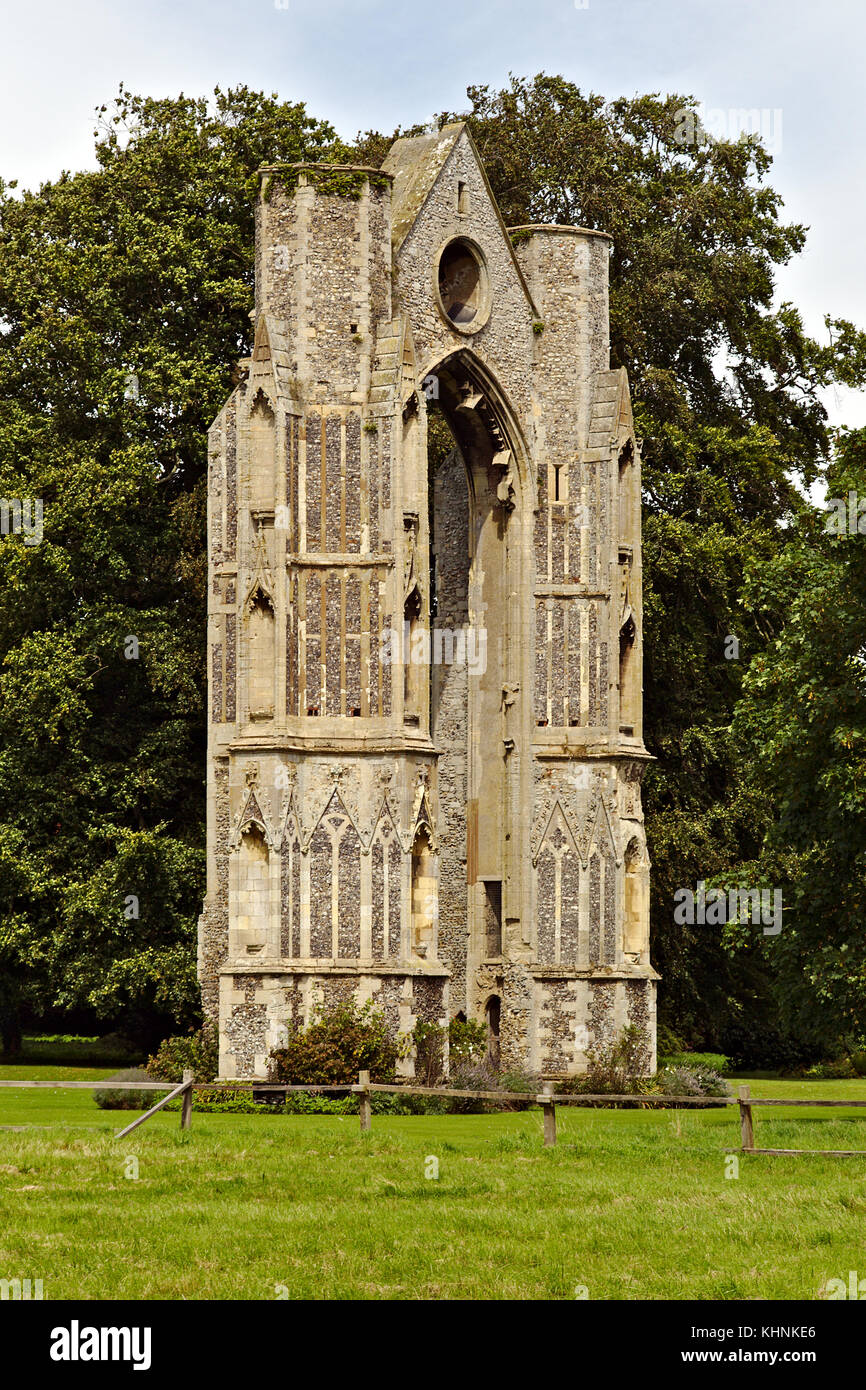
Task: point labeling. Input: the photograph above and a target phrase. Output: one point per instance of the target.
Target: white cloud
(363, 63)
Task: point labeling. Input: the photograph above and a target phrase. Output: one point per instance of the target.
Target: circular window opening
(461, 282)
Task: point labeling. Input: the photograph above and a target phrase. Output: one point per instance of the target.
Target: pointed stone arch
(635, 915)
(424, 892)
(386, 878)
(481, 504)
(261, 466)
(560, 905)
(290, 878)
(335, 884)
(251, 815)
(470, 394)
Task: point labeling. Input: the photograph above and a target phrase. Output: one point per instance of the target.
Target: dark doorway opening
(493, 1009)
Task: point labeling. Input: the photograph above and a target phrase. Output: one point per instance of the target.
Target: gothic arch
(462, 365)
(635, 916)
(386, 871)
(424, 892)
(335, 884)
(249, 816)
(481, 508)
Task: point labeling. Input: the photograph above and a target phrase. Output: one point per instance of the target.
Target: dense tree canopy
(124, 301)
(801, 725)
(727, 389)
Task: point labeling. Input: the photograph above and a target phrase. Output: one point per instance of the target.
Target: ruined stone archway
(479, 518)
(524, 772)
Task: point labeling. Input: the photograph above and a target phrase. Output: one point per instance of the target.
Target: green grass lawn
(630, 1204)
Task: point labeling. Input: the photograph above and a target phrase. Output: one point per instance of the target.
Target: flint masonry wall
(354, 849)
(450, 722)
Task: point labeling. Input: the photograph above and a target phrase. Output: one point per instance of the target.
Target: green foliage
(711, 1061)
(667, 1041)
(330, 180)
(618, 1067)
(197, 1052)
(801, 724)
(841, 1069)
(428, 1040)
(124, 299)
(469, 1075)
(691, 1079)
(467, 1046)
(467, 1040)
(243, 1102)
(114, 1097)
(72, 1050)
(341, 1041)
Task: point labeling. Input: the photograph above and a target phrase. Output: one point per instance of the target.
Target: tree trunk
(10, 1032)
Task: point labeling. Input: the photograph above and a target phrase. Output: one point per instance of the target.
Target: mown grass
(630, 1204)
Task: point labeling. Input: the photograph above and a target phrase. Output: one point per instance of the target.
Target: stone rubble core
(442, 839)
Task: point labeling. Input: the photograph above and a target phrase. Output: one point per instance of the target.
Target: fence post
(746, 1130)
(364, 1080)
(549, 1117)
(186, 1107)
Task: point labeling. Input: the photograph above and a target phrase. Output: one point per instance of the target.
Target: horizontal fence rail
(107, 1084)
(364, 1088)
(747, 1101)
(110, 1083)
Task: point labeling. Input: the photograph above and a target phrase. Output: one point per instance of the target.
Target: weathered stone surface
(461, 832)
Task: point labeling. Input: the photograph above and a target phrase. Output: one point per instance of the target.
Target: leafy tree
(124, 302)
(801, 722)
(727, 393)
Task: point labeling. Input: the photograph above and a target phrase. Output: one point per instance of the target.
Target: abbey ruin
(425, 745)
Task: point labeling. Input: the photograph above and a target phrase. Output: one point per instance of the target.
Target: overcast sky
(383, 63)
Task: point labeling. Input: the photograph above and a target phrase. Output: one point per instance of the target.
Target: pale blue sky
(381, 63)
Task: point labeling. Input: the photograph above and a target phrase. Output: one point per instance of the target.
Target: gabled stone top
(271, 353)
(610, 411)
(415, 164)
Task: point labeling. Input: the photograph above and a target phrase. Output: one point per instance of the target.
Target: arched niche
(636, 902)
(629, 676)
(262, 465)
(261, 632)
(423, 900)
(254, 906)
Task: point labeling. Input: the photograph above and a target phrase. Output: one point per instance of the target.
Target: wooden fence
(747, 1126)
(185, 1089)
(364, 1090)
(548, 1101)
